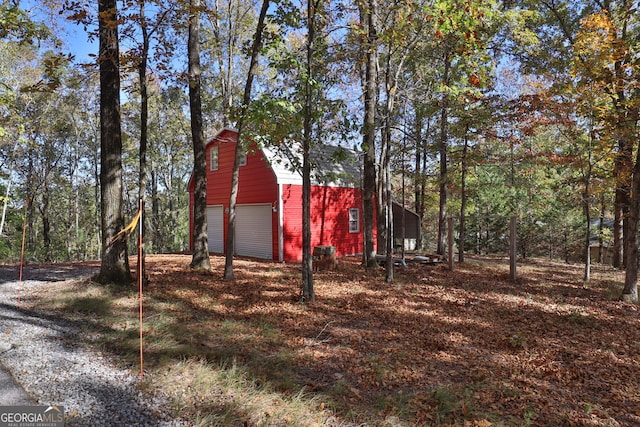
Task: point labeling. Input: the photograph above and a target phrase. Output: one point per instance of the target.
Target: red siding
(329, 220)
(257, 182)
(257, 185)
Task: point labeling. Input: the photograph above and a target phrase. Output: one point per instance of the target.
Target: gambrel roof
(332, 166)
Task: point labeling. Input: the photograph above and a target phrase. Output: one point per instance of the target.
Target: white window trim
(212, 151)
(354, 219)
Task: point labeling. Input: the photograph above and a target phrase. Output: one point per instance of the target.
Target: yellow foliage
(597, 45)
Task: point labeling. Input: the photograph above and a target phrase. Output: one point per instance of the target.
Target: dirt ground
(436, 347)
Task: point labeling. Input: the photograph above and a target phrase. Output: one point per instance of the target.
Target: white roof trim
(283, 168)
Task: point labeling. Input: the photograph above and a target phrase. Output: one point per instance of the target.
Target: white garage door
(215, 229)
(253, 231)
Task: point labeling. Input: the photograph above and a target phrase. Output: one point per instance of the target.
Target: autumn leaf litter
(436, 347)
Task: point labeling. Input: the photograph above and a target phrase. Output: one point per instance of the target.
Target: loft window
(213, 159)
(354, 220)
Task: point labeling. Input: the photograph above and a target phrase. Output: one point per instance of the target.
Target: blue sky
(74, 36)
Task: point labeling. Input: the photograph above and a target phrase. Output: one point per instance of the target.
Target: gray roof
(330, 165)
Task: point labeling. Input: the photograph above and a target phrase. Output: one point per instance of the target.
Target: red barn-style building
(269, 203)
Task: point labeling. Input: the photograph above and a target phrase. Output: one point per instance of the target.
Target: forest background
(478, 110)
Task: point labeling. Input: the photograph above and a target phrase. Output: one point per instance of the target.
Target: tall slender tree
(240, 146)
(200, 258)
(464, 165)
(399, 35)
(115, 263)
(308, 293)
(368, 13)
(146, 31)
(443, 151)
(144, 124)
(231, 23)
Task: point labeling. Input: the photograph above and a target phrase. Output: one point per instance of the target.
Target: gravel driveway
(43, 355)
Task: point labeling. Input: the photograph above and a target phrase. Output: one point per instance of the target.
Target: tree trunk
(200, 258)
(463, 198)
(225, 65)
(308, 293)
(97, 198)
(155, 213)
(115, 263)
(384, 200)
(240, 149)
(442, 149)
(31, 194)
(144, 126)
(621, 207)
(623, 169)
(403, 215)
(5, 204)
(391, 89)
(601, 229)
(368, 18)
(418, 178)
(587, 215)
(8, 190)
(630, 291)
(46, 225)
(381, 191)
(75, 249)
(389, 214)
(586, 200)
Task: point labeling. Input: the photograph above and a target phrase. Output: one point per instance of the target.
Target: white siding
(215, 229)
(253, 231)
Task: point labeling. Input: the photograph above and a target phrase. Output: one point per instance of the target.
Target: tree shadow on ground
(434, 347)
(111, 402)
(54, 272)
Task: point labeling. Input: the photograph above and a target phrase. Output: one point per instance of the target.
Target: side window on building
(354, 220)
(213, 159)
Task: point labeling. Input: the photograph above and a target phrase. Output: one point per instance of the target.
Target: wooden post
(450, 242)
(512, 249)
